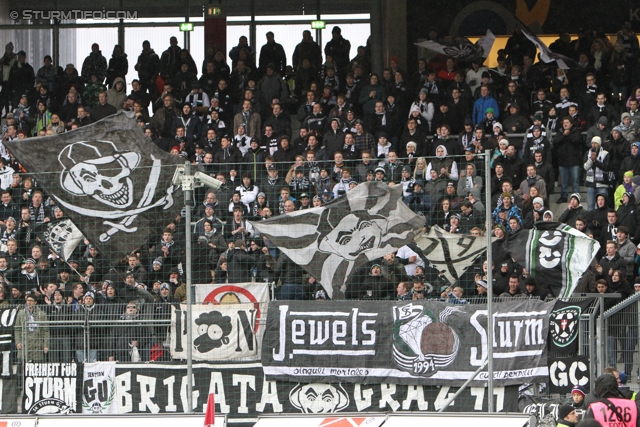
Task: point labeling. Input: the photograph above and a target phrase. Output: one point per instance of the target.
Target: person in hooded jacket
(618, 148)
(632, 162)
(611, 404)
(627, 211)
(537, 142)
(446, 167)
(625, 187)
(117, 95)
(94, 63)
(187, 119)
(533, 290)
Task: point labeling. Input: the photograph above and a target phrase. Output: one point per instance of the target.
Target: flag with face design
(112, 182)
(330, 242)
(462, 48)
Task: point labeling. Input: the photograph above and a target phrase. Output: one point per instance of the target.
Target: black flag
(332, 241)
(108, 179)
(61, 235)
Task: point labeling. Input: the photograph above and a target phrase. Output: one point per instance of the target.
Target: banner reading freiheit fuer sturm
(404, 343)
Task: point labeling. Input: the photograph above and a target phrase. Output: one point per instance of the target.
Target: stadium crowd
(234, 118)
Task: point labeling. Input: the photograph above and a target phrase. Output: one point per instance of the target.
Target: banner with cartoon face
(108, 179)
(242, 393)
(425, 342)
(220, 332)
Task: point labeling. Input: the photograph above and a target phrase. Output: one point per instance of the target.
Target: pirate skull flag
(330, 242)
(108, 179)
(461, 47)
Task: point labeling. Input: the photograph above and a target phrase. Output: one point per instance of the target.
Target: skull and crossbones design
(96, 169)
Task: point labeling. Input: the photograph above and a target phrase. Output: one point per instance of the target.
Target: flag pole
(187, 188)
(487, 190)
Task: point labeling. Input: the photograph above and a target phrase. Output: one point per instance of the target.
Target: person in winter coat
(537, 142)
(619, 149)
(632, 162)
(469, 179)
(627, 250)
(627, 211)
(596, 165)
(533, 179)
(34, 338)
(118, 65)
(21, 78)
(129, 342)
(48, 73)
(567, 144)
(574, 211)
(505, 211)
(483, 104)
(611, 262)
(625, 187)
(117, 95)
(446, 167)
(607, 394)
(371, 94)
(248, 190)
(290, 276)
(94, 63)
(534, 215)
(88, 311)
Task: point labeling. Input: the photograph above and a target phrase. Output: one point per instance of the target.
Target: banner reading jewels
(405, 342)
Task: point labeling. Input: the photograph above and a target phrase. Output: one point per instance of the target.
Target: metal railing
(621, 323)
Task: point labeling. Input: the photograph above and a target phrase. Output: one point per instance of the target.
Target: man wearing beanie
(578, 393)
(567, 416)
(632, 162)
(596, 166)
(574, 210)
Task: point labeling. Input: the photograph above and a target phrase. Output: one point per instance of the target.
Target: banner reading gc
(405, 343)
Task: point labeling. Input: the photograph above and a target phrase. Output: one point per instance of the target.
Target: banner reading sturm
(50, 388)
(405, 343)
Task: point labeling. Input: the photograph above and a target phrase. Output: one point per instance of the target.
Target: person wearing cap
(128, 342)
(35, 339)
(485, 103)
(632, 162)
(517, 122)
(89, 311)
(567, 416)
(574, 211)
(577, 394)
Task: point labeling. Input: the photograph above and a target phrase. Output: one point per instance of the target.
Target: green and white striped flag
(554, 253)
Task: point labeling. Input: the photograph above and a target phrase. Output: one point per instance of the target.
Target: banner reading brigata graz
(405, 342)
(241, 392)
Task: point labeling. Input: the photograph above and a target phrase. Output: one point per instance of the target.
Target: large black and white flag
(461, 47)
(546, 54)
(61, 235)
(553, 253)
(332, 241)
(451, 253)
(108, 179)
